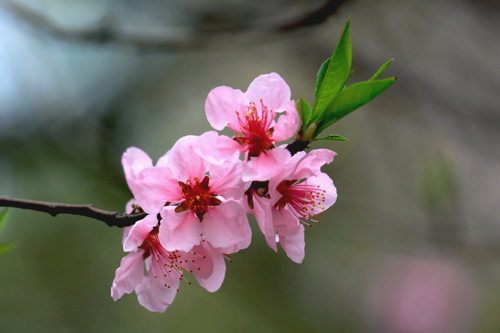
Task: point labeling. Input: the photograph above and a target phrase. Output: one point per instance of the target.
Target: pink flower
(197, 195)
(296, 195)
(165, 269)
(134, 161)
(421, 294)
(251, 115)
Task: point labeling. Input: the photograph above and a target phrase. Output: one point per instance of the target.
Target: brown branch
(314, 18)
(112, 219)
(297, 146)
(105, 33)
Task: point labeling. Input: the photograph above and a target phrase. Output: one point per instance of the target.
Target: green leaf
(332, 137)
(352, 98)
(381, 70)
(321, 76)
(348, 77)
(305, 113)
(333, 74)
(6, 247)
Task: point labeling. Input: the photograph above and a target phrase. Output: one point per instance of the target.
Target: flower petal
(154, 293)
(134, 161)
(221, 106)
(266, 165)
(264, 216)
(311, 164)
(212, 282)
(198, 261)
(179, 231)
(287, 125)
(128, 275)
(139, 232)
(325, 183)
(217, 149)
(225, 179)
(226, 225)
(272, 89)
(291, 236)
(157, 187)
(184, 162)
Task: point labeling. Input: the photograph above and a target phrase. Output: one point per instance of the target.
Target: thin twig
(112, 219)
(105, 32)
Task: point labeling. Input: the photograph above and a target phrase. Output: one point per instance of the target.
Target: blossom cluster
(199, 194)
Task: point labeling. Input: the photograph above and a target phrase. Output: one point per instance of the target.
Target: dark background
(412, 244)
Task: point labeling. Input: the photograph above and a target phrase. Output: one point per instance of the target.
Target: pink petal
(266, 165)
(288, 124)
(292, 242)
(226, 225)
(311, 164)
(179, 231)
(198, 261)
(272, 89)
(184, 162)
(217, 149)
(154, 295)
(263, 214)
(279, 219)
(242, 244)
(157, 187)
(134, 161)
(225, 179)
(284, 173)
(128, 275)
(129, 207)
(139, 232)
(221, 106)
(163, 161)
(325, 183)
(126, 231)
(214, 281)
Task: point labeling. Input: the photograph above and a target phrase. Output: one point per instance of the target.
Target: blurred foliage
(4, 247)
(439, 185)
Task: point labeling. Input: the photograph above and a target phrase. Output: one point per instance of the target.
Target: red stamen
(197, 197)
(255, 130)
(165, 263)
(304, 200)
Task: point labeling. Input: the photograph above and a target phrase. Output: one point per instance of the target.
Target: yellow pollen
(314, 204)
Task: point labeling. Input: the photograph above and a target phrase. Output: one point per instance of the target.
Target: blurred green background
(412, 244)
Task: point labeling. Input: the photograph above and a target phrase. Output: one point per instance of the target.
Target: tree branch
(112, 219)
(297, 146)
(105, 33)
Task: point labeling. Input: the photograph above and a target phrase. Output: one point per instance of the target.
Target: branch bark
(112, 219)
(106, 33)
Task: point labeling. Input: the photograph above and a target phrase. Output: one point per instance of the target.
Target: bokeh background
(413, 242)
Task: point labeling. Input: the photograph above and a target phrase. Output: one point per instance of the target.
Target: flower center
(166, 264)
(304, 200)
(197, 197)
(258, 188)
(255, 131)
